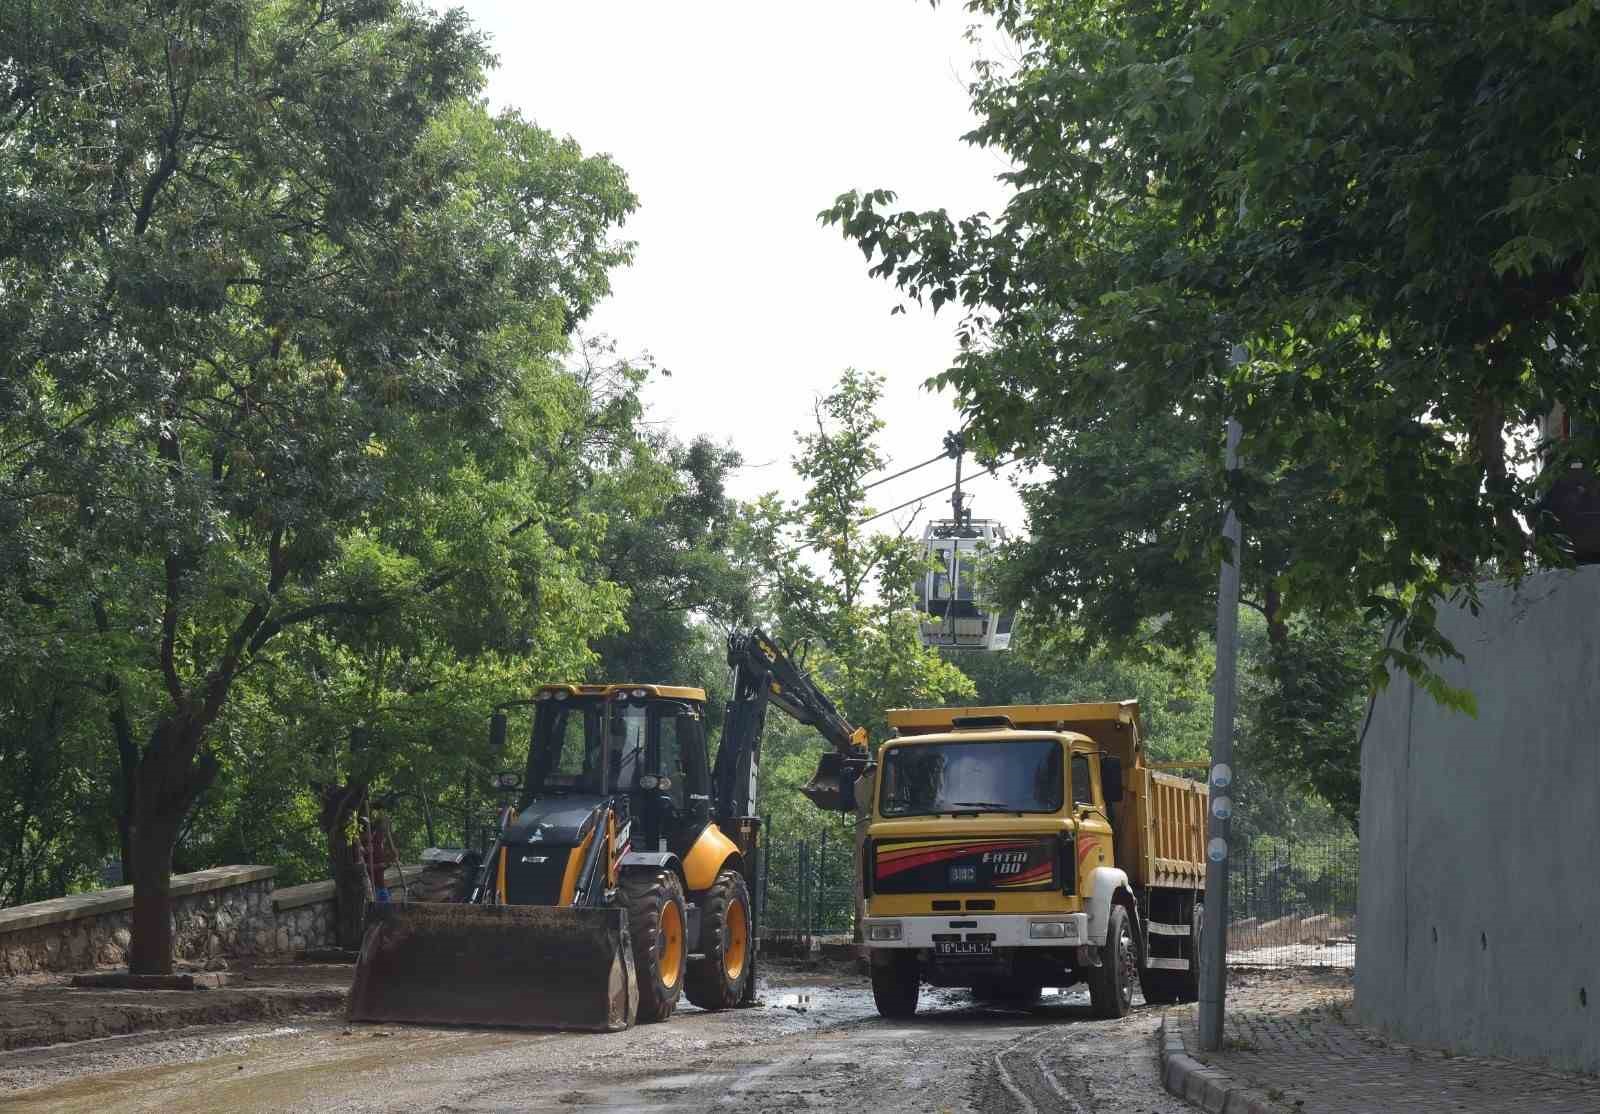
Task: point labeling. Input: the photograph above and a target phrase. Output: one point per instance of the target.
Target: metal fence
(1292, 904)
(807, 887)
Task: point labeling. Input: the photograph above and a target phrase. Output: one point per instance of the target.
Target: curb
(1207, 1088)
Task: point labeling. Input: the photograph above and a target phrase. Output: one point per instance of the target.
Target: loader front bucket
(528, 966)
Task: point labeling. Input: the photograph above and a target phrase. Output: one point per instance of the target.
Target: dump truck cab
(1013, 848)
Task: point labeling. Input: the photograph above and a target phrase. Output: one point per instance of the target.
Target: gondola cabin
(955, 613)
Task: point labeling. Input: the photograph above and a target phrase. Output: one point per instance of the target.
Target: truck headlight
(1048, 930)
(888, 931)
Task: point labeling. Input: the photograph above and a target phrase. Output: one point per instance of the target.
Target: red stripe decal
(1039, 873)
(912, 861)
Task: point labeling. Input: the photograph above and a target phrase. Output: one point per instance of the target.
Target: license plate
(963, 874)
(962, 947)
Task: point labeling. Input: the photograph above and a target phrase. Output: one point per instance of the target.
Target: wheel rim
(734, 953)
(670, 943)
(1127, 964)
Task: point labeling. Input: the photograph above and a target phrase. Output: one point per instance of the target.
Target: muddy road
(815, 1044)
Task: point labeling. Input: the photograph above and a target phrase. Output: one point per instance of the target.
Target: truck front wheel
(1111, 984)
(896, 984)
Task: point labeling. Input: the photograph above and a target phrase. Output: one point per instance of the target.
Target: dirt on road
(815, 1042)
(47, 1009)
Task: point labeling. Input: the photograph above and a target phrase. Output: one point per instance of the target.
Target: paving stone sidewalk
(1291, 1036)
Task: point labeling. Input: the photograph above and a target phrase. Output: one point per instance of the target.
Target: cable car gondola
(956, 614)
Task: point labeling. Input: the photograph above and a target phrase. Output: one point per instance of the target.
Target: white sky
(736, 123)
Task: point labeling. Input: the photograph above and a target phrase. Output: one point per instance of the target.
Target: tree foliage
(1389, 207)
(282, 310)
(844, 598)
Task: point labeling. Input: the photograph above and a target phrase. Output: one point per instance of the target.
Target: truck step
(1163, 964)
(1169, 929)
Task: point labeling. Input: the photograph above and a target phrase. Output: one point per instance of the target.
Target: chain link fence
(1293, 904)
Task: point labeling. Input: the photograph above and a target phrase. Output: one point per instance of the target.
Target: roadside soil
(815, 1042)
(46, 1009)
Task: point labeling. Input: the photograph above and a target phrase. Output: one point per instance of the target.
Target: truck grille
(1006, 864)
(534, 874)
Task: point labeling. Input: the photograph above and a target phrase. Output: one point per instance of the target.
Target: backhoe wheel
(656, 922)
(896, 983)
(717, 981)
(1111, 984)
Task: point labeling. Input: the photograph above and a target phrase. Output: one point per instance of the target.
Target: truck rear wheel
(1111, 984)
(718, 980)
(1186, 986)
(896, 984)
(656, 923)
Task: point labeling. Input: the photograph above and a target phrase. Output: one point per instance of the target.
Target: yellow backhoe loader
(624, 879)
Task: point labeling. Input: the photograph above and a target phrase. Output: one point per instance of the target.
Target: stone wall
(1479, 896)
(306, 917)
(226, 911)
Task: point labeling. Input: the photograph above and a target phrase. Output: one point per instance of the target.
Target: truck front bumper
(1002, 930)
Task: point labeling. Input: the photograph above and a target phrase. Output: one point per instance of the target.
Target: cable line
(936, 491)
(905, 472)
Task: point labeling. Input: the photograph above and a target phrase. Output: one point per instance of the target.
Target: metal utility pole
(1214, 933)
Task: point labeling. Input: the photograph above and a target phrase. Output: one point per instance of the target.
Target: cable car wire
(905, 471)
(989, 471)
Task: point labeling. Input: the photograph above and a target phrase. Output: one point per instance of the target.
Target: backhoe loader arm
(762, 675)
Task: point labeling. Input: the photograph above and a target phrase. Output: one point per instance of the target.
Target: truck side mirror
(862, 790)
(1111, 780)
(497, 732)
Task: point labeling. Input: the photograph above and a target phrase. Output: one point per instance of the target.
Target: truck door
(1094, 825)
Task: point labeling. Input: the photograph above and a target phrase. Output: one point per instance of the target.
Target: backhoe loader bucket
(528, 966)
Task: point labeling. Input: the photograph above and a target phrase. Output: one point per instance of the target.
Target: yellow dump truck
(1016, 847)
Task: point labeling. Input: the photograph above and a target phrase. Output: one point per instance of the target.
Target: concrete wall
(1480, 838)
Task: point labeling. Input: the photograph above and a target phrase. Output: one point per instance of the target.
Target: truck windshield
(921, 779)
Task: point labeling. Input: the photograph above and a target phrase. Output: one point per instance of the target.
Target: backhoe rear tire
(896, 984)
(657, 924)
(718, 980)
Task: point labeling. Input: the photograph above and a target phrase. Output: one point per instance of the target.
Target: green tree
(267, 270)
(843, 598)
(1356, 195)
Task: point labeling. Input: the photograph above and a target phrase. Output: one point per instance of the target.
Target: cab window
(1082, 791)
(669, 757)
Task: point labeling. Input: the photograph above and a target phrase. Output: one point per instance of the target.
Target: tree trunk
(339, 803)
(150, 951)
(1277, 629)
(171, 776)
